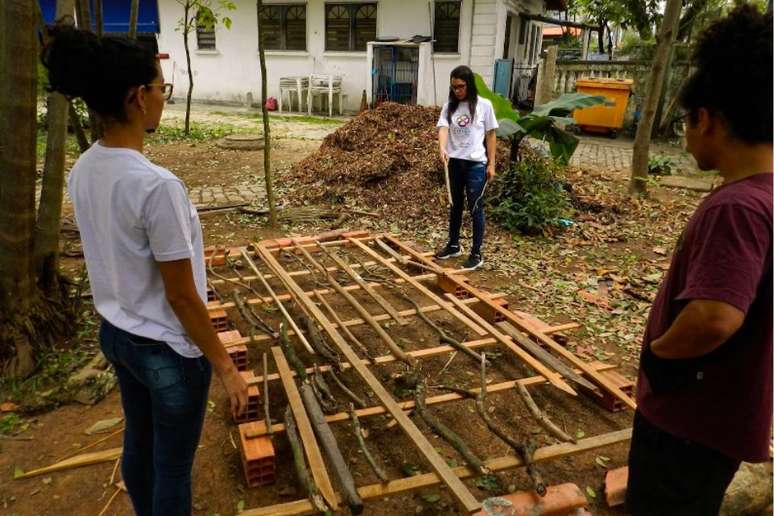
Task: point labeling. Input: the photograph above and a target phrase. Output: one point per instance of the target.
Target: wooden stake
(85, 459)
(302, 472)
(285, 314)
(316, 464)
(394, 348)
(266, 411)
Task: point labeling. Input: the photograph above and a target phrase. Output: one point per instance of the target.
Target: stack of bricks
(257, 453)
(447, 285)
(237, 353)
(252, 411)
(490, 314)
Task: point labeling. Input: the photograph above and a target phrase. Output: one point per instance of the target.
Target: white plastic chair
(290, 85)
(320, 85)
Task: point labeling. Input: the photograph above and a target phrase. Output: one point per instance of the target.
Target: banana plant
(542, 123)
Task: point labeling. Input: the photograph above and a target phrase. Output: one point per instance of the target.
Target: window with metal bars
(349, 26)
(446, 26)
(205, 29)
(283, 26)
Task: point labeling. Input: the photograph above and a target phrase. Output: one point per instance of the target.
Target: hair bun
(73, 59)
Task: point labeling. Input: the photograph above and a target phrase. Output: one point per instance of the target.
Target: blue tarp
(116, 14)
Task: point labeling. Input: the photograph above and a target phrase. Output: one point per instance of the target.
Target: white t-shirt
(132, 214)
(466, 138)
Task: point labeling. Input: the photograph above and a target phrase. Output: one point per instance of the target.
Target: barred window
(447, 26)
(349, 26)
(205, 29)
(283, 26)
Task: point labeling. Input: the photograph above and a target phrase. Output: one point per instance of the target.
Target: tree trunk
(18, 127)
(133, 11)
(98, 17)
(664, 40)
(186, 31)
(46, 247)
(75, 122)
(266, 130)
(601, 37)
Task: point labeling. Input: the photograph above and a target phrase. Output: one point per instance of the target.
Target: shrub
(529, 196)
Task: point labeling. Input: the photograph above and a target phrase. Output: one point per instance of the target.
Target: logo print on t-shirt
(462, 120)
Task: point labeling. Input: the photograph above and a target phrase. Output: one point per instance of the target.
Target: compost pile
(383, 158)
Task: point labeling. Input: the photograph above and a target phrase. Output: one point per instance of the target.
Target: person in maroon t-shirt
(704, 390)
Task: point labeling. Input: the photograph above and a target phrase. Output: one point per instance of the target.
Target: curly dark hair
(733, 77)
(101, 71)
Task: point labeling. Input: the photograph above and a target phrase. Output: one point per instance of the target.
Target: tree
(46, 244)
(266, 130)
(627, 13)
(134, 9)
(664, 40)
(27, 319)
(199, 13)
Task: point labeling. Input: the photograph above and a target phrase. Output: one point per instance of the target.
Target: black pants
(672, 476)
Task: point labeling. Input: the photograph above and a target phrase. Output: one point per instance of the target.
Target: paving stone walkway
(616, 155)
(224, 195)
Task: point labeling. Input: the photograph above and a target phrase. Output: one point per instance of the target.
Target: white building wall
(232, 71)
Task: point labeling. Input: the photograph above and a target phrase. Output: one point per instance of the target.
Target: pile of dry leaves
(385, 159)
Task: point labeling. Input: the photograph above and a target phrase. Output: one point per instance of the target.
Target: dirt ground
(542, 275)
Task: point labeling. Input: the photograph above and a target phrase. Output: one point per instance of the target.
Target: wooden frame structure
(531, 346)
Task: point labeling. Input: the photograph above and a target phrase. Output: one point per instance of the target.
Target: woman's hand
(444, 157)
(236, 388)
(490, 171)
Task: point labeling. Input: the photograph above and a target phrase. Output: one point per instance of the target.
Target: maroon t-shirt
(722, 400)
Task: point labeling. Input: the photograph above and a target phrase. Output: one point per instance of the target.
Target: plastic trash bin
(603, 118)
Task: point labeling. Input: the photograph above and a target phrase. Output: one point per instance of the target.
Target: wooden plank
(369, 290)
(408, 484)
(213, 305)
(285, 314)
(305, 431)
(457, 488)
(440, 302)
(84, 459)
(544, 356)
(360, 309)
(528, 359)
(432, 400)
(600, 380)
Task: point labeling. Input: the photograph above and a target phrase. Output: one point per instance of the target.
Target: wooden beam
(433, 400)
(279, 304)
(311, 449)
(554, 378)
(600, 380)
(404, 485)
(457, 488)
(84, 459)
(440, 302)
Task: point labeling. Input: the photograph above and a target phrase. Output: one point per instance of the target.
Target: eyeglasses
(459, 87)
(166, 89)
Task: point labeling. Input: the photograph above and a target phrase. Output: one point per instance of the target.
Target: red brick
(615, 485)
(229, 336)
(211, 295)
(258, 457)
(327, 236)
(253, 410)
(449, 286)
(219, 319)
(355, 234)
(607, 400)
(488, 313)
(238, 355)
(560, 500)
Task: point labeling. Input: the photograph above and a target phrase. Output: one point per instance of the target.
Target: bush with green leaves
(530, 196)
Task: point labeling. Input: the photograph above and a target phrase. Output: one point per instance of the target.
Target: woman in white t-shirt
(142, 243)
(466, 136)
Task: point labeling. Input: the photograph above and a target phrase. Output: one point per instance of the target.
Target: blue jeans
(467, 178)
(164, 396)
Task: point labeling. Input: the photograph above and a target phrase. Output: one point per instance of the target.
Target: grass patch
(301, 119)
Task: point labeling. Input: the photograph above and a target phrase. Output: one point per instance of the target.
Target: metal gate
(396, 73)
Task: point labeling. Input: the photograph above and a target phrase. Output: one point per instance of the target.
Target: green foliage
(197, 133)
(205, 14)
(529, 196)
(660, 165)
(9, 423)
(542, 122)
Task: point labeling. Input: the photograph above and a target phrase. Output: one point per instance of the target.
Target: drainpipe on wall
(432, 50)
(472, 21)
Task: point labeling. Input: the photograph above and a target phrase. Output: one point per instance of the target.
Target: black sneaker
(449, 251)
(473, 262)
